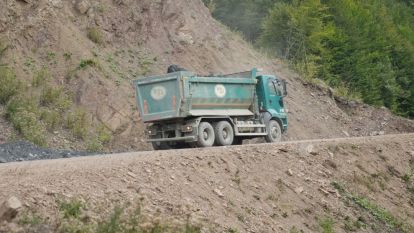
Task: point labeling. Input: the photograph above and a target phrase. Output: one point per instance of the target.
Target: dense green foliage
(366, 46)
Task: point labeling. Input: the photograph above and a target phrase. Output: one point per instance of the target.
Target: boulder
(9, 209)
(83, 6)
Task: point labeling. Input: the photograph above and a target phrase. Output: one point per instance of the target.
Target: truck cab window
(275, 87)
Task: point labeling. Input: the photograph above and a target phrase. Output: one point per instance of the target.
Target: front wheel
(274, 132)
(205, 135)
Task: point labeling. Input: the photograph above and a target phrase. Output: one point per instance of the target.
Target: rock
(299, 190)
(9, 209)
(57, 3)
(345, 133)
(83, 6)
(3, 160)
(289, 172)
(219, 193)
(131, 174)
(311, 150)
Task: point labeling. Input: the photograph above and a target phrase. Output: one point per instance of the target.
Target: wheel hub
(225, 134)
(205, 135)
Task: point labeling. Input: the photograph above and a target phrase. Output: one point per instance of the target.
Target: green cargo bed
(183, 94)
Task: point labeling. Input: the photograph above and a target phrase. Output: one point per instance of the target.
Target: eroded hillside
(89, 51)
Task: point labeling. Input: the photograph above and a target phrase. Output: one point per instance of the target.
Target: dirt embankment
(127, 39)
(348, 185)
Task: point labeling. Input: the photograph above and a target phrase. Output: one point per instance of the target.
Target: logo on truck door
(158, 92)
(220, 90)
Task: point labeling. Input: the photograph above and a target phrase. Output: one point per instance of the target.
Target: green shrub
(24, 116)
(51, 118)
(94, 145)
(104, 135)
(84, 63)
(41, 78)
(77, 122)
(71, 208)
(327, 225)
(9, 85)
(95, 34)
(55, 98)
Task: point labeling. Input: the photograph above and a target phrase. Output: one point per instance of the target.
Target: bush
(9, 85)
(77, 122)
(55, 98)
(94, 145)
(84, 63)
(95, 34)
(51, 118)
(23, 114)
(41, 78)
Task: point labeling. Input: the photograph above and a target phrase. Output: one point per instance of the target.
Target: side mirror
(284, 84)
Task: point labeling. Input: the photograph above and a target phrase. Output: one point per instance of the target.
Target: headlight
(187, 128)
(151, 132)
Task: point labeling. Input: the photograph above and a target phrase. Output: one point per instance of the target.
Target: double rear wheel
(220, 134)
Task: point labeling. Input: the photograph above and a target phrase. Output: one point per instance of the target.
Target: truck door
(274, 97)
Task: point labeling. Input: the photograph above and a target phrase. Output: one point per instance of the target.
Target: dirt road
(251, 188)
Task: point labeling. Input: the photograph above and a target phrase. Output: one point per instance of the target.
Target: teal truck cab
(182, 109)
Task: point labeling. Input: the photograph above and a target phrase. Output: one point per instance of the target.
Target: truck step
(251, 134)
(250, 126)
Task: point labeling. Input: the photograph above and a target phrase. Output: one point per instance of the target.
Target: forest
(363, 48)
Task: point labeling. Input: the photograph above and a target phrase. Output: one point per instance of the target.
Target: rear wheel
(205, 135)
(274, 132)
(224, 133)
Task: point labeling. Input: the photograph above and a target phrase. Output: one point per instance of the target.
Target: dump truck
(182, 109)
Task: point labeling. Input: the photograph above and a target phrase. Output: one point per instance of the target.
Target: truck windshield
(275, 87)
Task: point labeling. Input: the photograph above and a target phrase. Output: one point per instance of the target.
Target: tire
(205, 135)
(224, 133)
(160, 146)
(274, 132)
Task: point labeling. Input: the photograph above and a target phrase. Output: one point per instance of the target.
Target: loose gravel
(25, 151)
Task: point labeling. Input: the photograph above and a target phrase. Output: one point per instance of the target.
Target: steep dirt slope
(356, 184)
(137, 38)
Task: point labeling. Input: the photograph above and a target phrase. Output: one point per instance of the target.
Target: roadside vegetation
(363, 49)
(377, 213)
(75, 216)
(39, 107)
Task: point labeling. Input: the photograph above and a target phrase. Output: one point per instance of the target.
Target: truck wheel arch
(267, 116)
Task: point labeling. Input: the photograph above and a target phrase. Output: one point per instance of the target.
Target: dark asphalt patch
(26, 151)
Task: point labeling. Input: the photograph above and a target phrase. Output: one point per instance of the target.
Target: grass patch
(41, 78)
(9, 85)
(75, 217)
(354, 225)
(327, 225)
(85, 63)
(95, 34)
(23, 114)
(30, 219)
(71, 208)
(375, 211)
(77, 123)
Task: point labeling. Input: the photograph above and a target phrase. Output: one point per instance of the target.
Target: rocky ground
(342, 185)
(25, 151)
